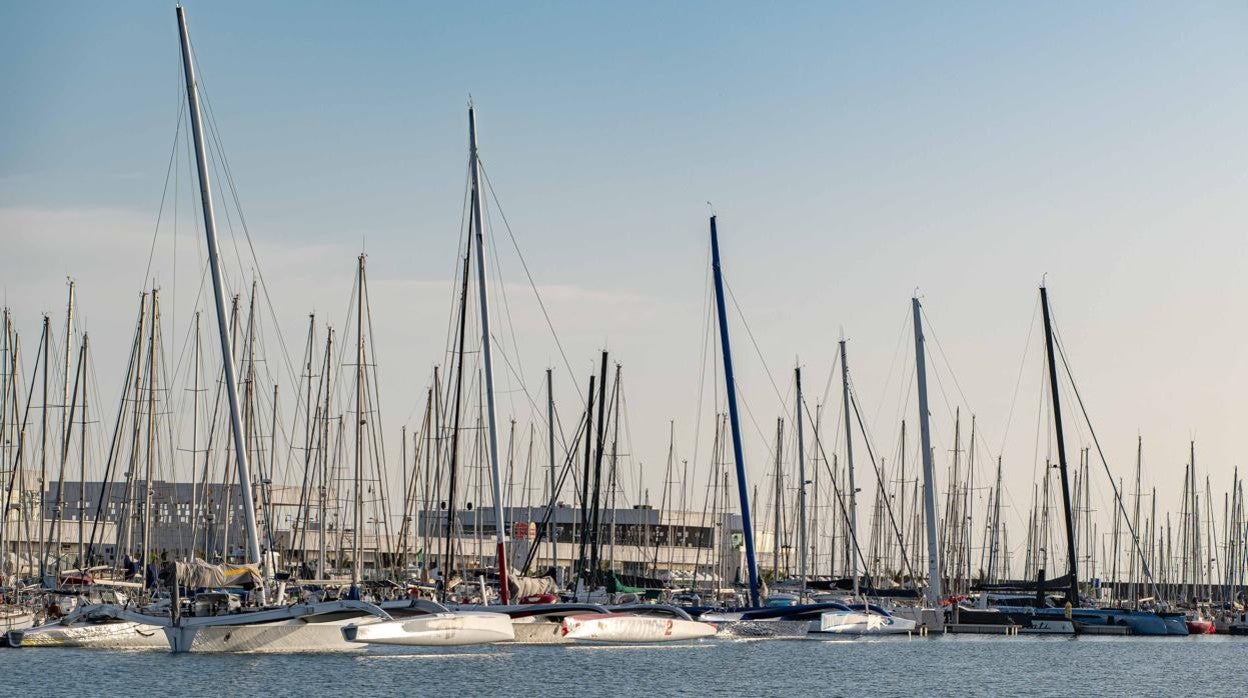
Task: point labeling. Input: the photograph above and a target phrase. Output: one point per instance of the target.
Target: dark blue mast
(1073, 594)
(742, 484)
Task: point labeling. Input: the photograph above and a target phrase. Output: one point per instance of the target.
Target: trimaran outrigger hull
(295, 628)
(632, 628)
(434, 630)
(108, 634)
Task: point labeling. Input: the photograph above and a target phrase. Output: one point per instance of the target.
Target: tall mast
(994, 543)
(1135, 522)
(322, 491)
(582, 549)
(125, 532)
(816, 529)
(71, 408)
(613, 475)
(196, 365)
(1073, 594)
(303, 515)
(901, 479)
(218, 293)
(66, 418)
(82, 459)
(149, 464)
(402, 546)
(929, 470)
(224, 507)
(777, 510)
(5, 376)
(1194, 527)
(596, 501)
(849, 462)
(356, 564)
(801, 484)
(448, 551)
(43, 454)
(10, 432)
(5, 350)
(487, 360)
(266, 493)
(731, 388)
(550, 437)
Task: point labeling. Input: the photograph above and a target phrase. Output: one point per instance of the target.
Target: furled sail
(198, 574)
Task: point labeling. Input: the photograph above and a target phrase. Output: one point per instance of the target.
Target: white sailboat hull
(860, 623)
(295, 635)
(628, 628)
(112, 635)
(435, 630)
(15, 618)
(298, 628)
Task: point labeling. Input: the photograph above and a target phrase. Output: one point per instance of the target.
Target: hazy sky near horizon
(853, 152)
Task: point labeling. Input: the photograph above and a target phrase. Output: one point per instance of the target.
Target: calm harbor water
(962, 666)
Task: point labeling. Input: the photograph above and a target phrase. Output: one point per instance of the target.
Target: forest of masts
(325, 492)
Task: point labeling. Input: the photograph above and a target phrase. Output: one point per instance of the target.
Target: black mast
(1073, 592)
(589, 423)
(596, 504)
(448, 555)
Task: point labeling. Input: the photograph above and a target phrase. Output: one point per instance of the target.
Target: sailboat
(92, 627)
(296, 627)
(70, 613)
(1074, 616)
(431, 624)
(15, 617)
(639, 623)
(929, 614)
(862, 619)
(756, 620)
(78, 616)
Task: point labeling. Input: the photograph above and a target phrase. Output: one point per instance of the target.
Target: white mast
(356, 550)
(550, 438)
(65, 425)
(218, 295)
(487, 358)
(801, 485)
(7, 373)
(322, 492)
(929, 471)
(849, 461)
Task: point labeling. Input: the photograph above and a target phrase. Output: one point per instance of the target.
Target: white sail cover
(531, 586)
(198, 574)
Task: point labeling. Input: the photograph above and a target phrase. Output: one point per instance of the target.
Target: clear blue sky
(854, 152)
